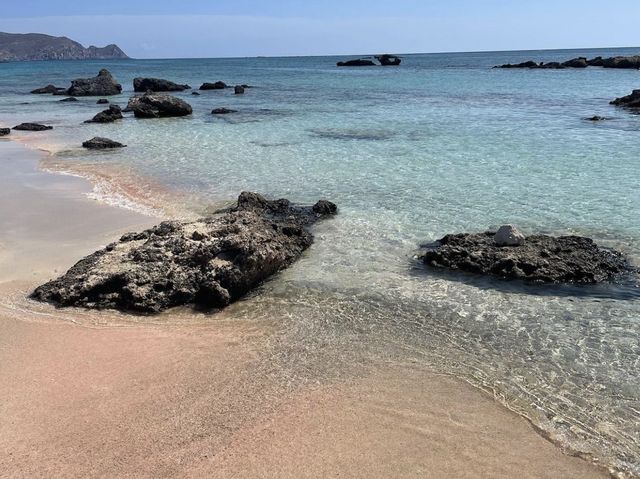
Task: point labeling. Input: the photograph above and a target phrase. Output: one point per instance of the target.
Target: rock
(32, 127)
(195, 93)
(629, 101)
(596, 62)
(133, 102)
(102, 85)
(509, 235)
(550, 66)
(222, 111)
(596, 118)
(102, 101)
(632, 62)
(357, 63)
(48, 89)
(239, 90)
(153, 105)
(69, 99)
(5, 131)
(111, 114)
(156, 85)
(388, 60)
(219, 85)
(540, 259)
(208, 263)
(99, 143)
(580, 62)
(529, 64)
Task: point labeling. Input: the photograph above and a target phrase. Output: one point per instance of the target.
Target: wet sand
(102, 395)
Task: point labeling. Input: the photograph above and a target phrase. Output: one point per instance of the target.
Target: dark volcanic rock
(48, 89)
(629, 101)
(111, 114)
(99, 143)
(632, 62)
(69, 99)
(222, 111)
(389, 60)
(208, 263)
(142, 85)
(153, 105)
(219, 85)
(596, 118)
(32, 127)
(540, 259)
(102, 101)
(580, 62)
(529, 64)
(5, 131)
(239, 90)
(357, 63)
(102, 85)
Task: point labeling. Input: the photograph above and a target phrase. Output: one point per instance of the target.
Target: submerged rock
(195, 93)
(102, 101)
(153, 105)
(219, 85)
(222, 111)
(539, 258)
(629, 101)
(156, 85)
(102, 85)
(49, 89)
(208, 263)
(5, 131)
(596, 118)
(69, 99)
(99, 143)
(111, 114)
(362, 62)
(32, 127)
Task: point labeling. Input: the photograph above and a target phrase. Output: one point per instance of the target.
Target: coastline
(147, 389)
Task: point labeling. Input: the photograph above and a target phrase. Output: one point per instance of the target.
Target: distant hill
(37, 46)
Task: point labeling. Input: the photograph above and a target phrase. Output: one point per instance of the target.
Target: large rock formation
(32, 127)
(37, 46)
(100, 143)
(143, 85)
(536, 258)
(111, 114)
(154, 105)
(102, 85)
(632, 62)
(629, 101)
(208, 263)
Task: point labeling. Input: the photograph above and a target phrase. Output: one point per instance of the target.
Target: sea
(442, 144)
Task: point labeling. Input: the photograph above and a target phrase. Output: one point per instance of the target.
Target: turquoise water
(441, 144)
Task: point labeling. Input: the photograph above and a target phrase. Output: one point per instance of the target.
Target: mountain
(37, 46)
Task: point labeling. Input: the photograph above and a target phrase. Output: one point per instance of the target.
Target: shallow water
(441, 144)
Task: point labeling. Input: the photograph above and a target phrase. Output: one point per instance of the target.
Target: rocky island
(38, 46)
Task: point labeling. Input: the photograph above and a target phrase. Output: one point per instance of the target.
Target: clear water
(441, 144)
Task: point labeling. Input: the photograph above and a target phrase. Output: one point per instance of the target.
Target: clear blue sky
(213, 28)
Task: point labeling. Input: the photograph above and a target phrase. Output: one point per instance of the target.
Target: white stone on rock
(509, 235)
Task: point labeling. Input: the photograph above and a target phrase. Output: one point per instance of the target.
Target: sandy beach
(105, 395)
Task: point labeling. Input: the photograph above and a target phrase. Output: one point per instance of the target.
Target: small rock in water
(141, 85)
(509, 235)
(32, 127)
(102, 101)
(68, 99)
(629, 101)
(113, 113)
(4, 131)
(99, 143)
(596, 118)
(239, 90)
(195, 93)
(157, 105)
(222, 111)
(102, 85)
(51, 89)
(219, 85)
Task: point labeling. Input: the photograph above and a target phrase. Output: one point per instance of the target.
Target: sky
(238, 28)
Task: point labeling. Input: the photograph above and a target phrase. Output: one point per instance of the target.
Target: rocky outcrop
(102, 101)
(239, 90)
(632, 62)
(536, 258)
(49, 89)
(37, 46)
(5, 131)
(208, 263)
(102, 85)
(142, 85)
(361, 62)
(154, 105)
(219, 85)
(100, 143)
(222, 111)
(111, 114)
(629, 101)
(32, 127)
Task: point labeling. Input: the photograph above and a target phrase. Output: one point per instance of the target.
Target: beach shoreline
(187, 394)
